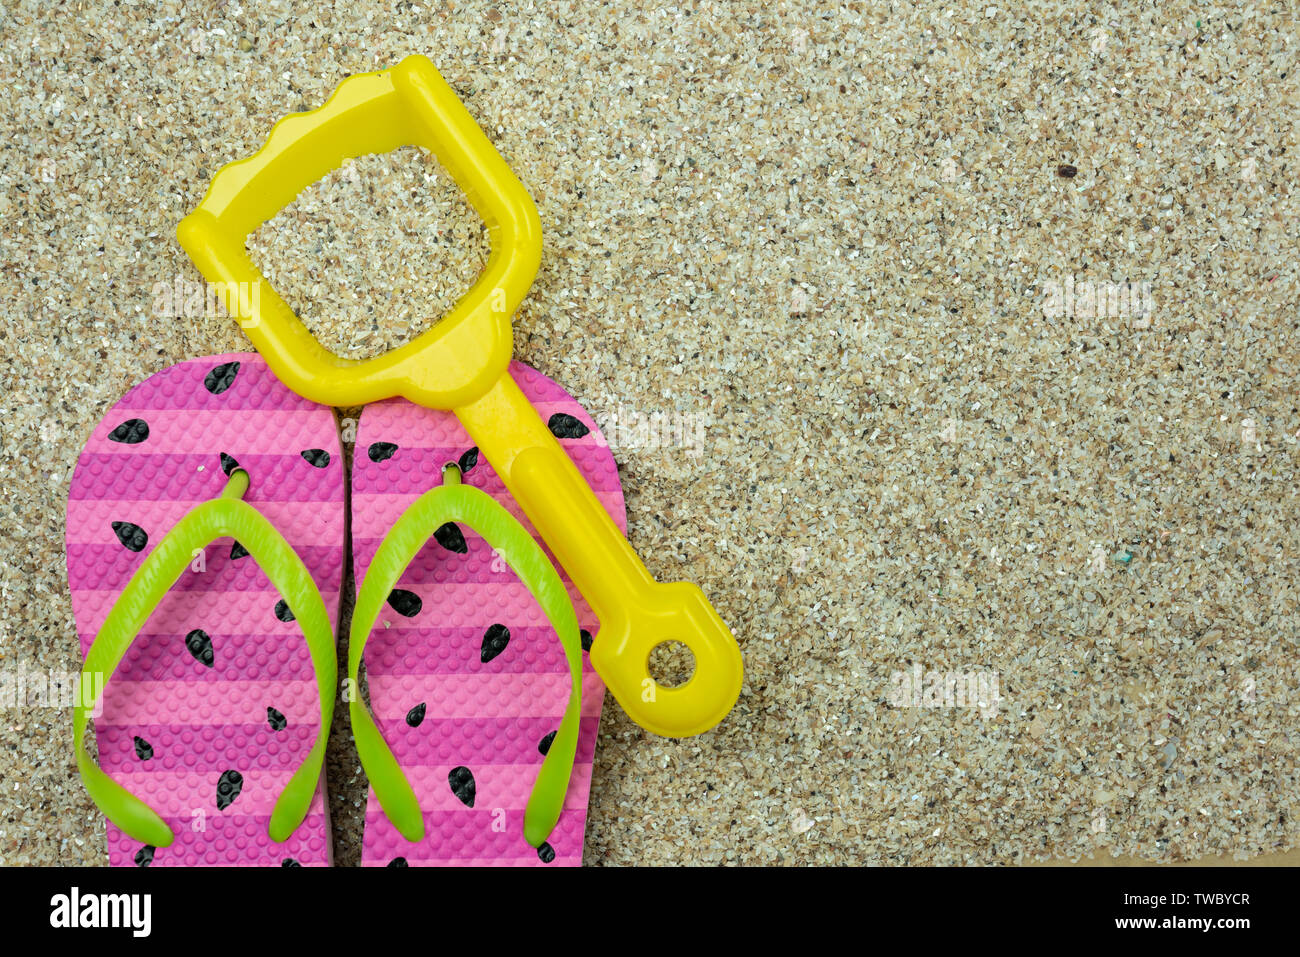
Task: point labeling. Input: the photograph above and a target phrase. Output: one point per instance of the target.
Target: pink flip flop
(215, 704)
(467, 681)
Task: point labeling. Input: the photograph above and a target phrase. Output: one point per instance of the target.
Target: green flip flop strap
(202, 525)
(454, 502)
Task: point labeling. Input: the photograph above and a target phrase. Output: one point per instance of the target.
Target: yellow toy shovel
(461, 364)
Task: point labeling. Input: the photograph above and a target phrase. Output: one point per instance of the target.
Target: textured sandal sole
(469, 732)
(173, 728)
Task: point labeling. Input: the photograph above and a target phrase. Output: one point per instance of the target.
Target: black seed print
(130, 432)
(450, 537)
(228, 463)
(462, 785)
(405, 603)
(276, 719)
(282, 610)
(468, 460)
(221, 378)
(316, 457)
(238, 551)
(495, 640)
(415, 717)
(228, 788)
(132, 536)
(546, 853)
(200, 646)
(143, 749)
(585, 637)
(381, 451)
(289, 862)
(565, 426)
(144, 856)
(398, 862)
(544, 745)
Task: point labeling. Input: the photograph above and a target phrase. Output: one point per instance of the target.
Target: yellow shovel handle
(456, 363)
(636, 612)
(455, 360)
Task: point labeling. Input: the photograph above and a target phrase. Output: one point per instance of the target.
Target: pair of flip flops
(218, 658)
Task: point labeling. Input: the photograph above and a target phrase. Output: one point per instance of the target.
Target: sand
(829, 279)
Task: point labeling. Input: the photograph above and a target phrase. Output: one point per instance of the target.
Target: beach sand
(830, 282)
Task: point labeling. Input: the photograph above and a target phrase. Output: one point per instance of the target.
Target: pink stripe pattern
(215, 705)
(468, 683)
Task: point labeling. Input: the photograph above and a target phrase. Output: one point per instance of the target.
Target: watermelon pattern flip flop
(467, 682)
(212, 717)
